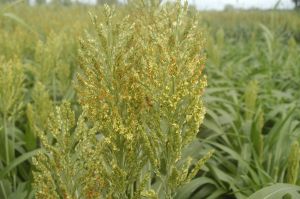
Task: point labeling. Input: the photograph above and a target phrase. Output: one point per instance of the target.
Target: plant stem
(54, 88)
(3, 190)
(6, 140)
(13, 153)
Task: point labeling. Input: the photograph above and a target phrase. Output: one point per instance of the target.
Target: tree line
(62, 2)
(297, 3)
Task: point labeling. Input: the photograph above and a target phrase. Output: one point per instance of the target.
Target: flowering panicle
(52, 66)
(40, 108)
(11, 88)
(140, 88)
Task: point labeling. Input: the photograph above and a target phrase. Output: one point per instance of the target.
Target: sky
(219, 4)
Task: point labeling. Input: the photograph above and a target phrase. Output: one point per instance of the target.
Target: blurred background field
(252, 99)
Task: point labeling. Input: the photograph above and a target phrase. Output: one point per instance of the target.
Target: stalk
(3, 190)
(54, 88)
(13, 153)
(6, 140)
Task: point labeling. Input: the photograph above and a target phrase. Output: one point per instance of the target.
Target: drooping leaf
(277, 191)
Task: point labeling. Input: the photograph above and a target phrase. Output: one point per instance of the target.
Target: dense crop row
(252, 101)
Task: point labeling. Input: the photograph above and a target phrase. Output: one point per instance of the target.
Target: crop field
(144, 101)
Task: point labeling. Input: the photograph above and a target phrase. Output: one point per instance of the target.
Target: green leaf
(186, 191)
(18, 161)
(19, 21)
(277, 191)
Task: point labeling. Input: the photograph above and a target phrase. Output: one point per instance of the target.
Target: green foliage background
(252, 99)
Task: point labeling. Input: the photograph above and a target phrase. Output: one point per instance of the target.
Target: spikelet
(199, 164)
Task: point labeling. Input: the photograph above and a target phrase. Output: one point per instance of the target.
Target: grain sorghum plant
(11, 102)
(52, 65)
(140, 89)
(39, 110)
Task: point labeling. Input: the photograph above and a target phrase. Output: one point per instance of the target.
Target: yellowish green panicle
(40, 108)
(11, 88)
(140, 88)
(52, 66)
